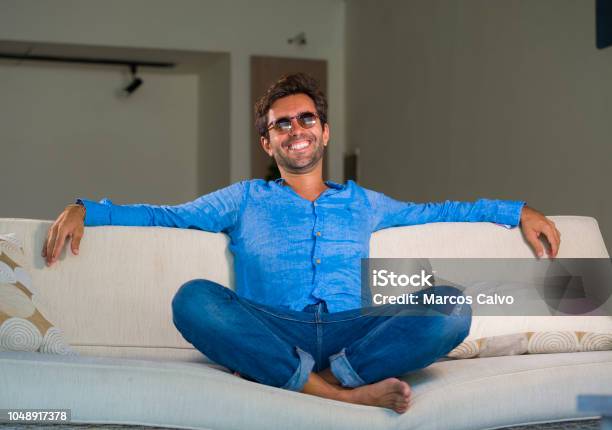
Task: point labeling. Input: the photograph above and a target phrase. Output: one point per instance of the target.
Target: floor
(568, 425)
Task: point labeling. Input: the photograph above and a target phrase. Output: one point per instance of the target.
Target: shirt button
(318, 233)
(318, 261)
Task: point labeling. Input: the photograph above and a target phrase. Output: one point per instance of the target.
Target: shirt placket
(318, 258)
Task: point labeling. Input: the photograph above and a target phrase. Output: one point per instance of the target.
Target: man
(295, 320)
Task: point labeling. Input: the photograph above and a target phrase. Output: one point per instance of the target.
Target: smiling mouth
(300, 145)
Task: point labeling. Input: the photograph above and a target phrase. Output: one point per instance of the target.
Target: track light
(136, 81)
(298, 39)
(133, 64)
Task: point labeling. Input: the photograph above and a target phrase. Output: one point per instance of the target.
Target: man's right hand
(70, 224)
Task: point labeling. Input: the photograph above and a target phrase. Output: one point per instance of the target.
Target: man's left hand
(533, 224)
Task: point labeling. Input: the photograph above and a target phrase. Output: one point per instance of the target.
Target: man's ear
(325, 134)
(265, 144)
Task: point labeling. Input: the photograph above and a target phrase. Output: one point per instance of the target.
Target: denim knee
(195, 287)
(458, 324)
(459, 320)
(184, 295)
(445, 290)
(193, 297)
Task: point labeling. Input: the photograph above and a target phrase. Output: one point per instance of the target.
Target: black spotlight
(136, 81)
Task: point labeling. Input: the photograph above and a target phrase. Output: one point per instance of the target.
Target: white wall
(240, 27)
(504, 99)
(67, 134)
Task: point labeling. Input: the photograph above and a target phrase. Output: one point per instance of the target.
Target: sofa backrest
(114, 297)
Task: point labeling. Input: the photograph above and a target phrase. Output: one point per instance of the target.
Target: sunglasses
(284, 124)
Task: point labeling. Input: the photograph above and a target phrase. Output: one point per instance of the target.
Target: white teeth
(297, 146)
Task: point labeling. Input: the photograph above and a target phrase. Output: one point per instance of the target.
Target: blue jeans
(280, 347)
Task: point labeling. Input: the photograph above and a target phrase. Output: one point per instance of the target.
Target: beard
(300, 163)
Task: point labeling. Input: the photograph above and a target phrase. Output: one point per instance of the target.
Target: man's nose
(295, 126)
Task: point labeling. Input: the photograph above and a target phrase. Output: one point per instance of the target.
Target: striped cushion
(22, 326)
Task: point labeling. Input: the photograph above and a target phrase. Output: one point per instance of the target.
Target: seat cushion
(458, 394)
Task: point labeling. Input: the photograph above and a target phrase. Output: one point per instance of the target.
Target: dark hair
(297, 83)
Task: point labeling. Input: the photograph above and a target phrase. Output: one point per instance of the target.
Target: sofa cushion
(544, 342)
(22, 326)
(115, 295)
(454, 394)
(502, 335)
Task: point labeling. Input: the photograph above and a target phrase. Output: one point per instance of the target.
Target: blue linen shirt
(289, 251)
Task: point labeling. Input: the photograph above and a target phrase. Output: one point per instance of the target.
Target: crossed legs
(263, 346)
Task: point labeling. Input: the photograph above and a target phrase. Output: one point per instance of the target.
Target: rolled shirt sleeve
(214, 212)
(387, 212)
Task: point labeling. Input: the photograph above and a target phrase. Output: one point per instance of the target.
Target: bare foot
(389, 393)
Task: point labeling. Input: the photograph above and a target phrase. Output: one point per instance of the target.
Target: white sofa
(113, 304)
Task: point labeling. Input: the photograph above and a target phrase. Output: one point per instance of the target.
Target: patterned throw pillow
(22, 326)
(533, 343)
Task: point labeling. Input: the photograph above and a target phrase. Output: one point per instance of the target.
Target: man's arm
(388, 212)
(214, 212)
